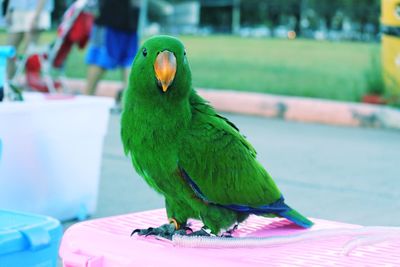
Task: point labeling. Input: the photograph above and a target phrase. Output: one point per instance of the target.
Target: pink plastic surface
(107, 243)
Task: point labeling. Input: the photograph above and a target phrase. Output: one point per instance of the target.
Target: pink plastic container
(107, 243)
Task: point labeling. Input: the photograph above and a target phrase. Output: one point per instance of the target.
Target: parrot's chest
(155, 148)
(156, 135)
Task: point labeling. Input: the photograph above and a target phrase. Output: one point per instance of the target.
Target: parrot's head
(161, 70)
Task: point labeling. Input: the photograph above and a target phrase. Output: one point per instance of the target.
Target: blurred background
(283, 62)
(324, 49)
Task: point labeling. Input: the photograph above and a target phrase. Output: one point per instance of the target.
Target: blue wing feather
(278, 207)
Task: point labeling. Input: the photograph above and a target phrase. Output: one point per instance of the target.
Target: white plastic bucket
(52, 152)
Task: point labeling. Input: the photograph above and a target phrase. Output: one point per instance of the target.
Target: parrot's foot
(166, 230)
(229, 233)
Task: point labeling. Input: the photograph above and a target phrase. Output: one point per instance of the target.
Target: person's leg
(13, 39)
(33, 37)
(94, 75)
(97, 58)
(125, 76)
(131, 42)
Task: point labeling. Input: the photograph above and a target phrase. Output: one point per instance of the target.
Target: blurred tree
(254, 12)
(327, 9)
(217, 17)
(363, 12)
(274, 13)
(271, 13)
(295, 9)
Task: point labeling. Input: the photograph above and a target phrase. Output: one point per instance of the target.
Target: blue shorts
(110, 48)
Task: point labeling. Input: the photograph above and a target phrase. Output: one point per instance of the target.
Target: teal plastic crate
(28, 240)
(5, 52)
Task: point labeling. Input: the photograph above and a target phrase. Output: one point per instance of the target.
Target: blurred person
(25, 19)
(113, 42)
(4, 5)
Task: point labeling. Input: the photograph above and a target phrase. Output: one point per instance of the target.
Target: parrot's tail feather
(297, 218)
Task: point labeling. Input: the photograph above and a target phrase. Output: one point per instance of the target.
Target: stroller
(40, 63)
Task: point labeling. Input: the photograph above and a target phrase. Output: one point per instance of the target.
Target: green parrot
(197, 159)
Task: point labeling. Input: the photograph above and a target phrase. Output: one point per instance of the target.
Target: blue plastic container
(5, 52)
(28, 240)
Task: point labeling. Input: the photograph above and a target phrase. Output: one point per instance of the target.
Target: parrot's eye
(184, 52)
(144, 52)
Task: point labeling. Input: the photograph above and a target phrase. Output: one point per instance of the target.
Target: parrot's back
(222, 167)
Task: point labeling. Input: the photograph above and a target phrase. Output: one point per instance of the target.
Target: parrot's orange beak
(165, 69)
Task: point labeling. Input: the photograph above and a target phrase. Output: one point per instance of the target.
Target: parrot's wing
(221, 162)
(220, 166)
(126, 137)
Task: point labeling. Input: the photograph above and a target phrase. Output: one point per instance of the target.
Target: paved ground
(337, 173)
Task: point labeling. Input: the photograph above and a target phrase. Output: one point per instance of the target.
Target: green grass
(300, 67)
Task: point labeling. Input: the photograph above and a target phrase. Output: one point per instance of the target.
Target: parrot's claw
(229, 233)
(226, 235)
(164, 231)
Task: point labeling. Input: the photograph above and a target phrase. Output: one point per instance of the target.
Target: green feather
(164, 132)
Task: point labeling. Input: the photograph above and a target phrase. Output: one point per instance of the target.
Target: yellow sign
(391, 46)
(390, 12)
